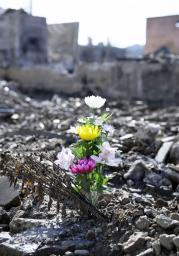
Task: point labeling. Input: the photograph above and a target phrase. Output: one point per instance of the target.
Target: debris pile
(142, 202)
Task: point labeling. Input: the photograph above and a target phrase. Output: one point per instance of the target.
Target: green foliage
(93, 183)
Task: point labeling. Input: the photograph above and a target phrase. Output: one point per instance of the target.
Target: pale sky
(122, 22)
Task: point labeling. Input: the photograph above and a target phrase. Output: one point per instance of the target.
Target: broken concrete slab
(7, 249)
(4, 236)
(21, 224)
(9, 195)
(163, 151)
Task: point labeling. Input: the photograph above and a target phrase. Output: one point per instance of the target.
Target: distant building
(63, 43)
(101, 53)
(162, 32)
(23, 38)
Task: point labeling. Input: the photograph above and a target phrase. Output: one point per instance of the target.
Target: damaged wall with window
(23, 38)
(163, 32)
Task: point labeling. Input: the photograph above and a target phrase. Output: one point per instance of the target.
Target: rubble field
(141, 206)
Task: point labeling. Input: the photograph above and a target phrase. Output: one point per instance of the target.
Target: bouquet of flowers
(86, 158)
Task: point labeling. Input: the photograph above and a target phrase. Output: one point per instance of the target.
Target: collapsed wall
(152, 82)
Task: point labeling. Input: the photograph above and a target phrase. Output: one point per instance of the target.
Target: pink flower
(65, 158)
(83, 166)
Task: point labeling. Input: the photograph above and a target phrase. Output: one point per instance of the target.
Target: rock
(157, 248)
(69, 253)
(176, 241)
(171, 174)
(9, 196)
(176, 231)
(148, 252)
(175, 216)
(68, 245)
(4, 227)
(174, 153)
(47, 250)
(167, 241)
(142, 223)
(21, 224)
(4, 236)
(4, 217)
(152, 179)
(116, 249)
(29, 241)
(90, 235)
(161, 203)
(150, 212)
(163, 151)
(81, 252)
(135, 242)
(124, 197)
(137, 171)
(71, 245)
(8, 249)
(166, 222)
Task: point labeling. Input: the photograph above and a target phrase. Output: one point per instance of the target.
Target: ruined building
(23, 38)
(63, 43)
(163, 32)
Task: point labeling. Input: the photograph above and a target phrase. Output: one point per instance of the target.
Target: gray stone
(137, 171)
(9, 196)
(157, 248)
(135, 242)
(7, 249)
(175, 216)
(142, 223)
(148, 252)
(176, 231)
(90, 235)
(172, 174)
(174, 153)
(4, 236)
(167, 241)
(21, 224)
(68, 245)
(163, 151)
(161, 203)
(150, 212)
(166, 222)
(81, 252)
(4, 217)
(124, 197)
(49, 249)
(152, 179)
(69, 253)
(176, 241)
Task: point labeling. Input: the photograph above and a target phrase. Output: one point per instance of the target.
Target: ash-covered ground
(142, 201)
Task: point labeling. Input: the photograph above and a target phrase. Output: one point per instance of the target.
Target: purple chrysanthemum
(83, 166)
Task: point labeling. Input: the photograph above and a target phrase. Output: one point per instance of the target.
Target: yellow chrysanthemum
(88, 132)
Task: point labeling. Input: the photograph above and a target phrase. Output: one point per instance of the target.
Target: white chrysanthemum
(95, 101)
(65, 158)
(107, 155)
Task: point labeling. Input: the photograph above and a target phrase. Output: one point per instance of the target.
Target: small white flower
(72, 130)
(95, 101)
(107, 155)
(65, 158)
(108, 128)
